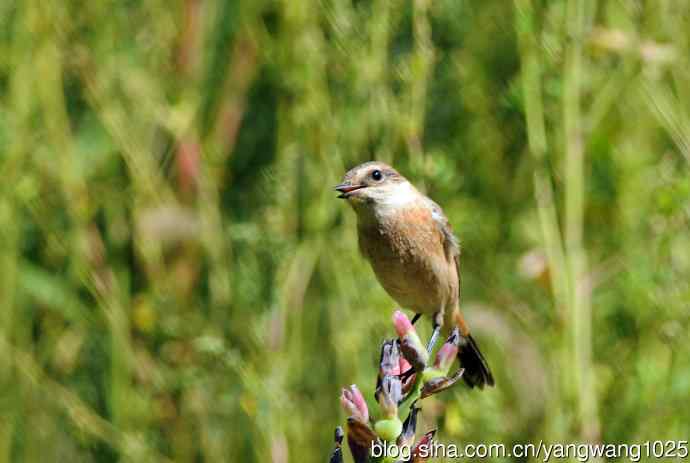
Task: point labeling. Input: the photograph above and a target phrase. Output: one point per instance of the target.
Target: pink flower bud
(404, 365)
(414, 351)
(410, 344)
(409, 382)
(353, 403)
(447, 353)
(402, 324)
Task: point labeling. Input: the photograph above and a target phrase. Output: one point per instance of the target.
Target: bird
(414, 253)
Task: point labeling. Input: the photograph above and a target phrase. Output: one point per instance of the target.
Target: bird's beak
(345, 188)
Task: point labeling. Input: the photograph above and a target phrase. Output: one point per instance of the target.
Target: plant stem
(579, 291)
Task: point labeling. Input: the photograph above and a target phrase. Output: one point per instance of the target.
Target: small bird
(415, 255)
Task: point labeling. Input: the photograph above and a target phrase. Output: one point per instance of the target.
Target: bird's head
(374, 184)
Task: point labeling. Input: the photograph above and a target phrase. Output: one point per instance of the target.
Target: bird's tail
(477, 371)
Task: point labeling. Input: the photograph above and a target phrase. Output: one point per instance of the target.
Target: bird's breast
(405, 249)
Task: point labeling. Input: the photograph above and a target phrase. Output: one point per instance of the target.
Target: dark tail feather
(477, 372)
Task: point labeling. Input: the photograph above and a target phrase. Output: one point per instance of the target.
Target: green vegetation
(179, 282)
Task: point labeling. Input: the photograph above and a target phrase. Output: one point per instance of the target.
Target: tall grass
(178, 281)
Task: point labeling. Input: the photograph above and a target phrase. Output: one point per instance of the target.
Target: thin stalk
(538, 146)
(8, 283)
(12, 167)
(422, 61)
(579, 292)
(531, 76)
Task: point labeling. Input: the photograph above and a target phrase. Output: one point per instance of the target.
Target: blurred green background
(178, 280)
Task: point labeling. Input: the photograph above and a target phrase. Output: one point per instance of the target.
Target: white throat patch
(395, 198)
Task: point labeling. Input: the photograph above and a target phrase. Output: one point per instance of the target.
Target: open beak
(345, 188)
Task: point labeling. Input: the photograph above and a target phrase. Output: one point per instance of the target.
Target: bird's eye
(377, 175)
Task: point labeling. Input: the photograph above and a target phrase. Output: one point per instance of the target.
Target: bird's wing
(451, 245)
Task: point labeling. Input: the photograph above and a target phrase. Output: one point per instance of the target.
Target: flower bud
(407, 380)
(422, 451)
(353, 403)
(360, 438)
(404, 364)
(440, 383)
(410, 344)
(403, 325)
(337, 454)
(447, 353)
(414, 352)
(406, 438)
(389, 364)
(390, 395)
(389, 429)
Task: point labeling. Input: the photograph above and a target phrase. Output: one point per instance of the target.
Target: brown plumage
(415, 255)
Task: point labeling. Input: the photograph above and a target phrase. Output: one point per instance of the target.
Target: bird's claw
(434, 337)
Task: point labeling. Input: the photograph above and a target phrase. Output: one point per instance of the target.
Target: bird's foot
(434, 338)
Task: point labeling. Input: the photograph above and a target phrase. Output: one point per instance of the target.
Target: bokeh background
(179, 282)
